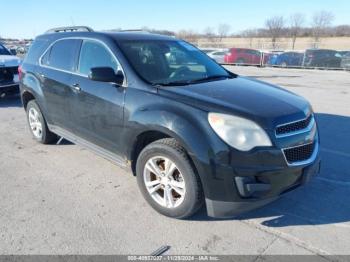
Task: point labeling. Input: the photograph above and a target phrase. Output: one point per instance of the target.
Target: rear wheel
(241, 61)
(167, 179)
(37, 124)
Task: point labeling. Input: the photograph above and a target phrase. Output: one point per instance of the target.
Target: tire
(38, 125)
(181, 174)
(241, 61)
(284, 65)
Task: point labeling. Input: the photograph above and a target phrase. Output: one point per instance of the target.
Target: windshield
(3, 50)
(171, 62)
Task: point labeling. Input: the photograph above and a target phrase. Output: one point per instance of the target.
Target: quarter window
(94, 54)
(62, 54)
(45, 58)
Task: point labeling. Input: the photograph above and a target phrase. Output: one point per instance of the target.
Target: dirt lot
(63, 199)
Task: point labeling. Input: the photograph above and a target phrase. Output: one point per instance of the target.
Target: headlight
(240, 133)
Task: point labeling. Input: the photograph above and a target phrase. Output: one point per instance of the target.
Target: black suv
(190, 131)
(322, 58)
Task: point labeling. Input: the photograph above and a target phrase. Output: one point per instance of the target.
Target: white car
(218, 55)
(9, 79)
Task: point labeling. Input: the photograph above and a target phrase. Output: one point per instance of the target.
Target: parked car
(243, 56)
(322, 58)
(209, 50)
(9, 83)
(218, 55)
(192, 133)
(289, 59)
(345, 60)
(271, 56)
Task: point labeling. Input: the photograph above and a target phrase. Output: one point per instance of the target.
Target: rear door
(55, 73)
(97, 107)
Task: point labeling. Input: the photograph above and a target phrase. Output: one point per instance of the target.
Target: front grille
(299, 153)
(293, 127)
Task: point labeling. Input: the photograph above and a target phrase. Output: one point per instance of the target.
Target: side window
(94, 54)
(63, 54)
(36, 49)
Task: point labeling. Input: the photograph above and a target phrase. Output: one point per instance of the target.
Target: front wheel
(167, 179)
(284, 64)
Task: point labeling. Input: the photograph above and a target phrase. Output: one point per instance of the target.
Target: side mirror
(106, 74)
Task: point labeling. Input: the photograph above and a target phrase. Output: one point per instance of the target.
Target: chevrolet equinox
(191, 132)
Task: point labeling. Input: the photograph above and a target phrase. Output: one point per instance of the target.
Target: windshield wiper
(209, 78)
(174, 83)
(188, 82)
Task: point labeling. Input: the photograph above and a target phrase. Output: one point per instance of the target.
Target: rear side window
(219, 53)
(36, 50)
(95, 54)
(62, 55)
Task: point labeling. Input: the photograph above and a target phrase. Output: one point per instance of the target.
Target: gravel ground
(63, 199)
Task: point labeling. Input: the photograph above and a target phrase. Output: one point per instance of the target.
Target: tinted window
(36, 50)
(63, 54)
(253, 52)
(219, 53)
(95, 54)
(3, 50)
(45, 58)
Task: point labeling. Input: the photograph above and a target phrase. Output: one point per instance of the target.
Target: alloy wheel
(164, 182)
(35, 123)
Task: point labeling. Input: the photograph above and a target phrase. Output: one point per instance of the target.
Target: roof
(137, 35)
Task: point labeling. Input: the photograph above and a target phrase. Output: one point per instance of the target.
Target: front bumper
(236, 182)
(292, 178)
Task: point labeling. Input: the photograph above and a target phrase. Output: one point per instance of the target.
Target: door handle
(76, 87)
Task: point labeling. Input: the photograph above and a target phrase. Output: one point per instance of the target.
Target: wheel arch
(27, 96)
(189, 134)
(147, 137)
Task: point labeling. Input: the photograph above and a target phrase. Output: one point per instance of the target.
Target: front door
(97, 107)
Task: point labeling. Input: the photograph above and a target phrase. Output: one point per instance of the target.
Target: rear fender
(31, 83)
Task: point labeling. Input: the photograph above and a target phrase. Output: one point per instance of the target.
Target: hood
(9, 61)
(266, 104)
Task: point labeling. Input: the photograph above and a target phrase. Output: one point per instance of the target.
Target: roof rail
(134, 30)
(69, 29)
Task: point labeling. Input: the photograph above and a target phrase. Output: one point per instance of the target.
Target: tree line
(294, 26)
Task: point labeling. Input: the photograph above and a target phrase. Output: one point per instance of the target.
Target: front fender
(189, 126)
(188, 133)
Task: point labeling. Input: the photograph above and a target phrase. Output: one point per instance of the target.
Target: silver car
(218, 55)
(9, 80)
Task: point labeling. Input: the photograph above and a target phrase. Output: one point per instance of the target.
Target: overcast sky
(29, 18)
